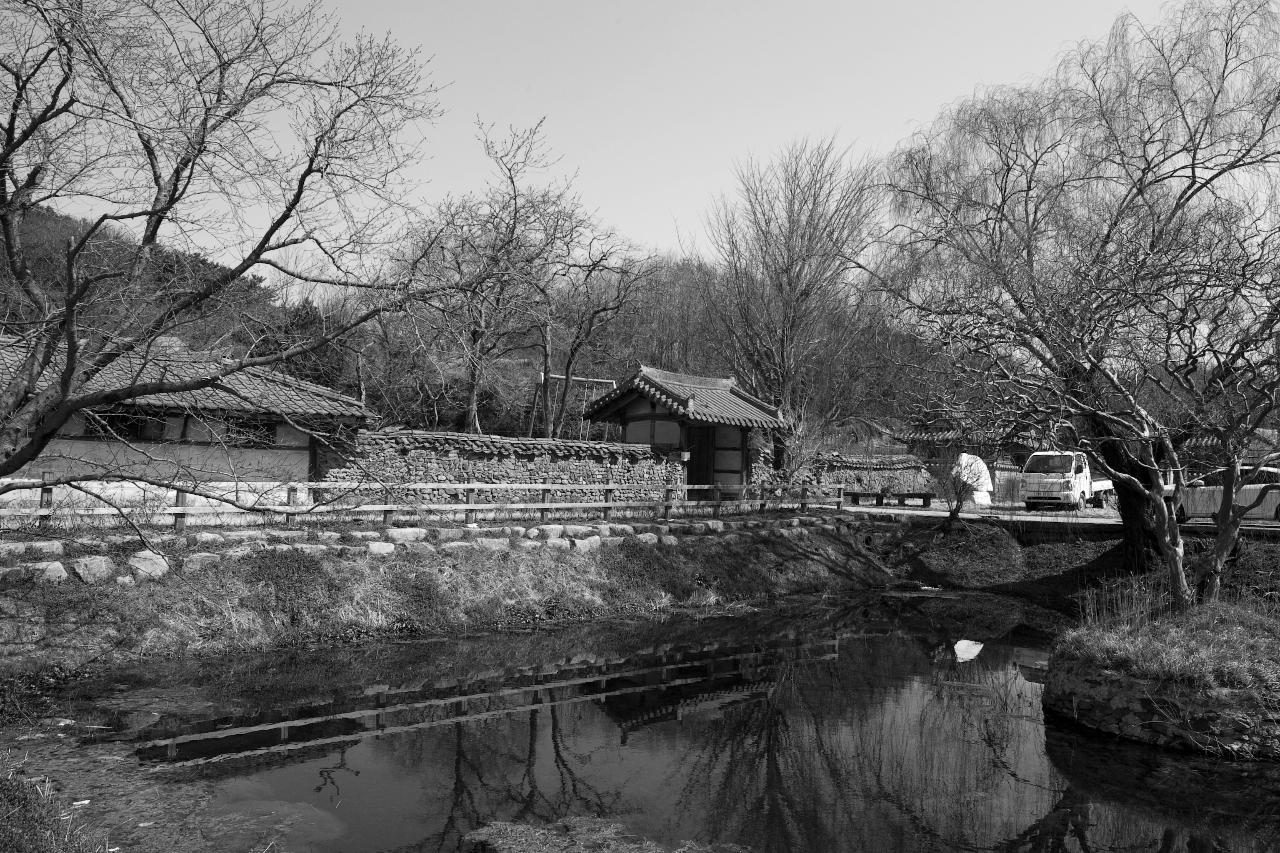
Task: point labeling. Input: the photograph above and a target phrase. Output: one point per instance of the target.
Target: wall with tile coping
(397, 457)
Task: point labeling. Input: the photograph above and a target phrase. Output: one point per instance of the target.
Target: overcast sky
(652, 102)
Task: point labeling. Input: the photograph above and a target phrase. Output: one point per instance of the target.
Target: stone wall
(897, 473)
(1233, 723)
(33, 630)
(399, 457)
(880, 473)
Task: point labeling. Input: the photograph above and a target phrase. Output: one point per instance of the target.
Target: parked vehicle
(1061, 478)
(1203, 497)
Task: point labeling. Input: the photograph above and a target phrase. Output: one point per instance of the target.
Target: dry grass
(33, 820)
(1129, 628)
(273, 598)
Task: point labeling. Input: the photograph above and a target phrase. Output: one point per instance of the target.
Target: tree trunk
(1170, 546)
(1209, 582)
(475, 374)
(1138, 544)
(546, 382)
(472, 416)
(781, 447)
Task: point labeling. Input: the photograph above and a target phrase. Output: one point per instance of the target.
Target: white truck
(1061, 478)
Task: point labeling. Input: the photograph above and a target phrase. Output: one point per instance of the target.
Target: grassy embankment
(33, 820)
(282, 598)
(1130, 629)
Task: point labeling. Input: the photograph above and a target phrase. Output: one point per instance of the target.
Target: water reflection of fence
(288, 502)
(704, 677)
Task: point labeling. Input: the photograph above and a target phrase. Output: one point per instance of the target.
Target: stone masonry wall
(101, 560)
(888, 473)
(399, 457)
(1234, 723)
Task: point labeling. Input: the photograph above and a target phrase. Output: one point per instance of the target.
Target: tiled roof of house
(698, 398)
(500, 445)
(253, 390)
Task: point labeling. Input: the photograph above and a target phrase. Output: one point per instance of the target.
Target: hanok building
(709, 421)
(254, 425)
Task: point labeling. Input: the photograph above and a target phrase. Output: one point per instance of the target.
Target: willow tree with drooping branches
(1098, 250)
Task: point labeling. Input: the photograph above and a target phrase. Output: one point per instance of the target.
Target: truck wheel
(1081, 503)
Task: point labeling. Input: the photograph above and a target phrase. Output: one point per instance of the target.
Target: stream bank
(101, 599)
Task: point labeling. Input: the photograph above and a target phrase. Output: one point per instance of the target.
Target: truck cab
(1060, 478)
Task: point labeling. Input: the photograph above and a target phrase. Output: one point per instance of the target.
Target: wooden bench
(925, 498)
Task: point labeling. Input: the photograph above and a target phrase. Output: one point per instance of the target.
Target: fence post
(545, 513)
(388, 515)
(470, 499)
(715, 501)
(290, 498)
(608, 497)
(804, 498)
(666, 503)
(180, 517)
(840, 496)
(46, 500)
(764, 499)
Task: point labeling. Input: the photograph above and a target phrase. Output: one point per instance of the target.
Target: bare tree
(791, 297)
(519, 226)
(597, 282)
(1041, 224)
(241, 130)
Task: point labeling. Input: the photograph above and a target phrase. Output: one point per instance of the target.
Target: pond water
(814, 730)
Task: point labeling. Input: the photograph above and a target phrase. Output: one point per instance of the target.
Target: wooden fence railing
(318, 499)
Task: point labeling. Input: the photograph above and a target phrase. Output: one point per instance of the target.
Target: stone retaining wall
(53, 561)
(418, 456)
(117, 560)
(1232, 723)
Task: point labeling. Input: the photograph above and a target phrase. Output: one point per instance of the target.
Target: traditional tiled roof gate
(703, 399)
(707, 419)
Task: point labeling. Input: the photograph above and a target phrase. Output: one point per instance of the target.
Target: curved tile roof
(703, 399)
(253, 390)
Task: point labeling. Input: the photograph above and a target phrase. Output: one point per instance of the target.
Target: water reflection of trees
(518, 768)
(882, 748)
(766, 772)
(946, 758)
